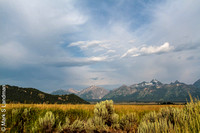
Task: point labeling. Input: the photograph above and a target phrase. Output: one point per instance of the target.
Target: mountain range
(15, 94)
(153, 91)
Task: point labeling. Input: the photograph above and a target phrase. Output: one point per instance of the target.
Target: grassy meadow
(104, 117)
(119, 108)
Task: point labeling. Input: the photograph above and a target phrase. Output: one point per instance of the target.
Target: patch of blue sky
(134, 12)
(74, 51)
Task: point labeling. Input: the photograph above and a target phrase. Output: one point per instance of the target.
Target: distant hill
(154, 91)
(17, 94)
(65, 92)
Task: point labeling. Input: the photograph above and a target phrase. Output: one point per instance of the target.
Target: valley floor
(120, 108)
(104, 117)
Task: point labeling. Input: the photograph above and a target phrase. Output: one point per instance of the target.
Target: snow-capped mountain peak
(155, 82)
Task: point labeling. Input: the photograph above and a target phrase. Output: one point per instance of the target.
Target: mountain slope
(197, 83)
(16, 94)
(65, 92)
(93, 92)
(153, 91)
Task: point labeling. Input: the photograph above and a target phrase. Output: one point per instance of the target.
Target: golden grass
(90, 107)
(141, 109)
(53, 106)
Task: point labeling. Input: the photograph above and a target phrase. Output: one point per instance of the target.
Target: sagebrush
(105, 119)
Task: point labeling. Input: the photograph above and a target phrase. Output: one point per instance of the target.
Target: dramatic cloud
(149, 50)
(74, 44)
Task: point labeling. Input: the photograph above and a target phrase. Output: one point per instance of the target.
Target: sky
(63, 44)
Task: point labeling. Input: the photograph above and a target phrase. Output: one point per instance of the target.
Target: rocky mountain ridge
(144, 91)
(154, 91)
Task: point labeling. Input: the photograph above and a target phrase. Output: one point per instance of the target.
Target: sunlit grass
(140, 109)
(29, 114)
(90, 107)
(53, 106)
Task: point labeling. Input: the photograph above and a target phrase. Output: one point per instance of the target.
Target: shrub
(191, 116)
(159, 126)
(105, 111)
(66, 125)
(22, 119)
(171, 114)
(96, 125)
(129, 122)
(104, 118)
(77, 126)
(47, 122)
(115, 121)
(173, 120)
(150, 117)
(163, 121)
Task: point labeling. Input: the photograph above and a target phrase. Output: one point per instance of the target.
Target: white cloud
(132, 50)
(97, 59)
(74, 62)
(111, 51)
(156, 49)
(76, 43)
(87, 44)
(148, 50)
(98, 48)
